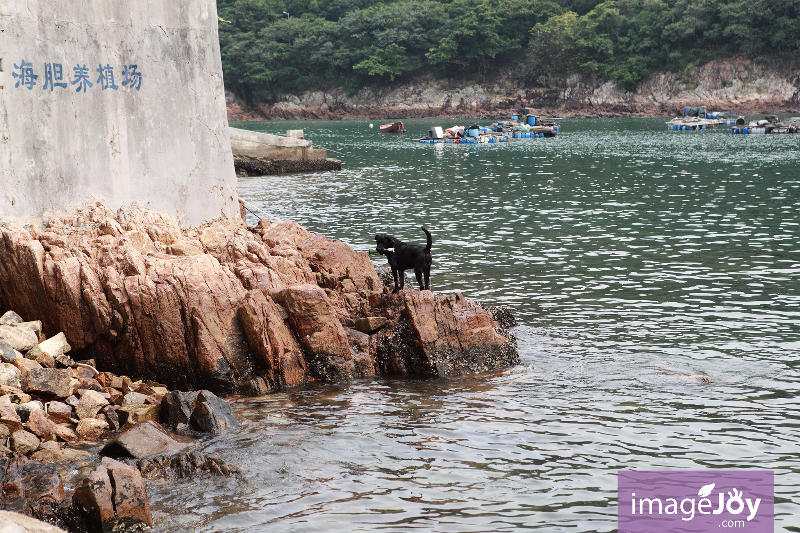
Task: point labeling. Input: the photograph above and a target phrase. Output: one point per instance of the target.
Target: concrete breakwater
(734, 84)
(261, 154)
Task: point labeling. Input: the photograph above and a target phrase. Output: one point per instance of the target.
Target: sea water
(656, 279)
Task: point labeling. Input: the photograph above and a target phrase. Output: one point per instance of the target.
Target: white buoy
(370, 125)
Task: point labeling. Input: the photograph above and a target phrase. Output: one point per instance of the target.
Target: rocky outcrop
(229, 308)
(732, 84)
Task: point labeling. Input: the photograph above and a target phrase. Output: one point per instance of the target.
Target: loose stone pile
(52, 408)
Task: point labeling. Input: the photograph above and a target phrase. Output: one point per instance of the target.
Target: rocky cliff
(231, 308)
(733, 84)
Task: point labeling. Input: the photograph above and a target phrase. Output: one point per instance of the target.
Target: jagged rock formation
(732, 84)
(231, 308)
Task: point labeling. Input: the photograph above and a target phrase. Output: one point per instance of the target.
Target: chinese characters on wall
(81, 79)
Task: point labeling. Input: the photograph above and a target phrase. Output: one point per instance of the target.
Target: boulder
(278, 356)
(145, 440)
(24, 442)
(9, 375)
(31, 488)
(41, 425)
(90, 404)
(60, 455)
(7, 352)
(91, 428)
(59, 412)
(10, 318)
(317, 326)
(130, 497)
(213, 414)
(20, 338)
(8, 414)
(53, 382)
(52, 347)
(177, 407)
(370, 324)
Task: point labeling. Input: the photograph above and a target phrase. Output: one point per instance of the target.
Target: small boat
(394, 127)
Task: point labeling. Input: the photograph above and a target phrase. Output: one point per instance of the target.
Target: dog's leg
(418, 272)
(397, 282)
(427, 274)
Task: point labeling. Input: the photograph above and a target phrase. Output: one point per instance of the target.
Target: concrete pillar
(122, 100)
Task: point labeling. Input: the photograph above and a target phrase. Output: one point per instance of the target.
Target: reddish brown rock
(55, 382)
(130, 497)
(30, 487)
(240, 309)
(278, 355)
(314, 321)
(59, 412)
(41, 425)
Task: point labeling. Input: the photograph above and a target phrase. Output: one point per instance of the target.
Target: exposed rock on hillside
(734, 84)
(231, 308)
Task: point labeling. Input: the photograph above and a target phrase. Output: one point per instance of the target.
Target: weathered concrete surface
(229, 308)
(161, 139)
(254, 144)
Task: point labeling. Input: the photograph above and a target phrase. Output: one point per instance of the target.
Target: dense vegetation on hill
(276, 47)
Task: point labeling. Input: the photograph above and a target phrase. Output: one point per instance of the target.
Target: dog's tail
(430, 239)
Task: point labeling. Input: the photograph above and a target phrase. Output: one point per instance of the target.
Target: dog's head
(384, 242)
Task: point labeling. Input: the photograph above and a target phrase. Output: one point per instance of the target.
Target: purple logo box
(695, 501)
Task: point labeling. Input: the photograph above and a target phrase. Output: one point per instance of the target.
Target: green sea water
(656, 279)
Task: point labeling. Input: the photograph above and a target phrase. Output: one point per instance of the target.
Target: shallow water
(639, 263)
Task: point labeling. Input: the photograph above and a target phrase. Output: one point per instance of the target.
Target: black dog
(405, 256)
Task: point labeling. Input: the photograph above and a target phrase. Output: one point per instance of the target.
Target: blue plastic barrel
(558, 128)
(515, 118)
(531, 120)
(746, 130)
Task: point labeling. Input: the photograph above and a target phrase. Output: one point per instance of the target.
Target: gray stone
(54, 346)
(9, 375)
(34, 325)
(145, 440)
(7, 352)
(134, 398)
(10, 318)
(213, 414)
(177, 407)
(4, 433)
(24, 442)
(21, 339)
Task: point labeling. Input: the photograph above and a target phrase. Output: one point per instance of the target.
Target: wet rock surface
(100, 296)
(220, 307)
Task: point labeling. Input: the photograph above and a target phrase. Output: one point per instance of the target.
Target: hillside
(632, 56)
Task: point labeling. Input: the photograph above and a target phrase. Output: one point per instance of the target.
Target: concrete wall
(151, 127)
(257, 145)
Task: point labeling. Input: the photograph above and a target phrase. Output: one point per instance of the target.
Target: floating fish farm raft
(697, 118)
(770, 124)
(530, 127)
